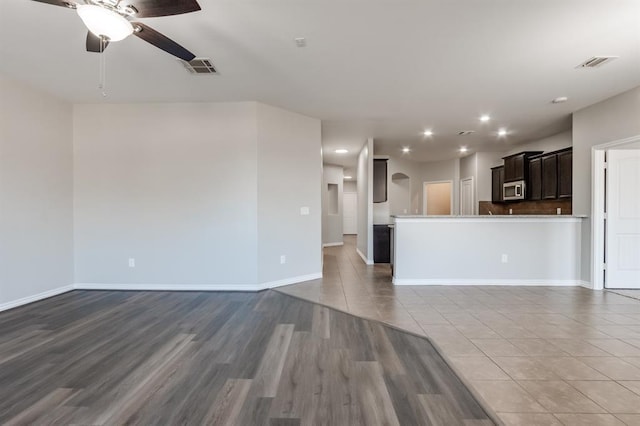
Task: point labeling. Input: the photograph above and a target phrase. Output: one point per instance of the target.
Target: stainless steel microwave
(514, 190)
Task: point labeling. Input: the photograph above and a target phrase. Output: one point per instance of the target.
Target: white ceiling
(379, 68)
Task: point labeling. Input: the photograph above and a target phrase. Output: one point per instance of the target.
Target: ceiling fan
(113, 20)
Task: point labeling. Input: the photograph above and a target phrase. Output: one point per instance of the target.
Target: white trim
(424, 194)
(197, 287)
(597, 207)
(474, 203)
(597, 218)
(30, 299)
(364, 258)
(292, 280)
(332, 244)
(586, 284)
(169, 287)
(503, 282)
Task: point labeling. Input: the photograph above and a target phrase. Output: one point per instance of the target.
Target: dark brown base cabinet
(381, 244)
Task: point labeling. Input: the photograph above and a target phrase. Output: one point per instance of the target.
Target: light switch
(304, 211)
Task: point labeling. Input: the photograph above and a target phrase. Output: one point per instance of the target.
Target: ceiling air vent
(596, 61)
(200, 66)
(466, 132)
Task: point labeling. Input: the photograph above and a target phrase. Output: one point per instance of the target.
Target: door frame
(474, 210)
(598, 193)
(424, 194)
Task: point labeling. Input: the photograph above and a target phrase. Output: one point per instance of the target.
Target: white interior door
(466, 197)
(350, 213)
(622, 256)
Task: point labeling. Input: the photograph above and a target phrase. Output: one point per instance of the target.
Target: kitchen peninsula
(487, 250)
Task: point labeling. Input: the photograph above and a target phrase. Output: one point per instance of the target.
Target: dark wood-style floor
(97, 357)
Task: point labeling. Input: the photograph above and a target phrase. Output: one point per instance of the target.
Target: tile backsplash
(526, 207)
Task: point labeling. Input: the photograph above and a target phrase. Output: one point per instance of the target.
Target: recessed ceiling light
(406, 149)
(463, 149)
(560, 100)
(485, 118)
(347, 177)
(428, 132)
(341, 151)
(502, 132)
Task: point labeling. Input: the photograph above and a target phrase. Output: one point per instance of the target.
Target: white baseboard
(197, 287)
(364, 258)
(293, 280)
(504, 282)
(30, 299)
(585, 284)
(168, 287)
(332, 244)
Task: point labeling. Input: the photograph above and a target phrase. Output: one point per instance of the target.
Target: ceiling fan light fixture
(104, 22)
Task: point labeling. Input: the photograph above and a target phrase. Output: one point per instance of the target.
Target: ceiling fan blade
(93, 43)
(155, 8)
(63, 3)
(161, 41)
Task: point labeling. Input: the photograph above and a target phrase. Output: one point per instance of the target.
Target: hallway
(536, 355)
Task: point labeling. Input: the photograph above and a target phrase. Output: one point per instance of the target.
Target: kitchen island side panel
(498, 251)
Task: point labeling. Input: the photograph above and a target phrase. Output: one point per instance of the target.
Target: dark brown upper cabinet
(565, 172)
(516, 166)
(549, 177)
(379, 181)
(534, 188)
(497, 179)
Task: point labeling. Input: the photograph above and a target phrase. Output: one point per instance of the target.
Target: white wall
(289, 176)
(36, 216)
(332, 223)
(549, 144)
(484, 162)
(428, 251)
(612, 119)
(442, 171)
(196, 193)
(350, 186)
(365, 201)
(397, 195)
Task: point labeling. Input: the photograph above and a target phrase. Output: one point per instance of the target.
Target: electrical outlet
(304, 211)
(132, 262)
(505, 258)
(559, 210)
(510, 211)
(283, 259)
(405, 211)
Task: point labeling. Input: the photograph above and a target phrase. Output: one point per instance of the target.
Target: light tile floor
(535, 355)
